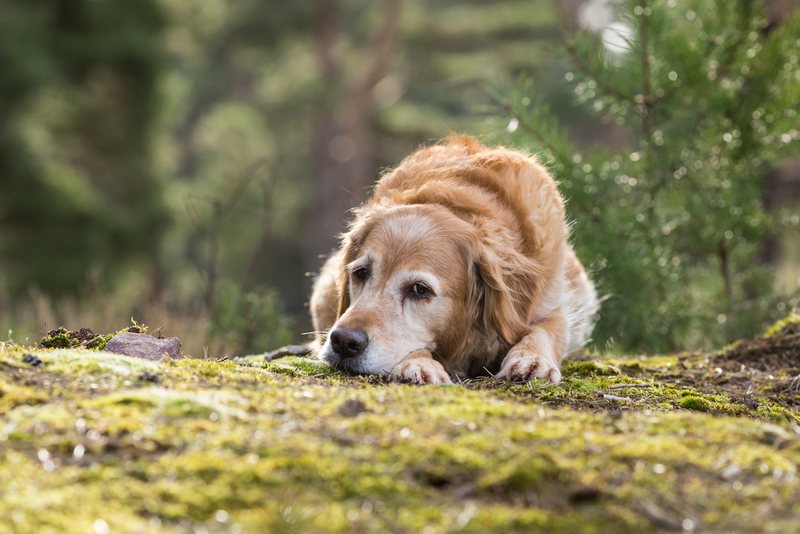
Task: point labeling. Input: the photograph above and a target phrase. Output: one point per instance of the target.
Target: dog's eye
(419, 290)
(361, 274)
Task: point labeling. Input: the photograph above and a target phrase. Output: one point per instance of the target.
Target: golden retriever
(459, 265)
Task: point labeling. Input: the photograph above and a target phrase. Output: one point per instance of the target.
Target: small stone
(585, 494)
(730, 472)
(144, 346)
(352, 407)
(147, 376)
(35, 361)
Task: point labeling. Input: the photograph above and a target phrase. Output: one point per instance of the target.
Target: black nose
(348, 342)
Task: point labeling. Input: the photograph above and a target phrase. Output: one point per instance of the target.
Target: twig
(659, 517)
(615, 398)
(289, 350)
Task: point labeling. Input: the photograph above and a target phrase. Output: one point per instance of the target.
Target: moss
(58, 339)
(632, 368)
(13, 395)
(693, 402)
(527, 474)
(299, 367)
(734, 409)
(251, 446)
(588, 368)
(61, 338)
(779, 327)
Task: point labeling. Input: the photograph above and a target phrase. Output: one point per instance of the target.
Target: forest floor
(97, 442)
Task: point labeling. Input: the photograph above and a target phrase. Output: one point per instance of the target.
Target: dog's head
(419, 277)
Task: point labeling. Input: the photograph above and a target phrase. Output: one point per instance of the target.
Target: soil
(61, 338)
(768, 364)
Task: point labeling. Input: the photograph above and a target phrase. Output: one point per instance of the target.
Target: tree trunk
(344, 154)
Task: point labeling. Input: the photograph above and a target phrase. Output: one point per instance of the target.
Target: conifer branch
(592, 75)
(530, 130)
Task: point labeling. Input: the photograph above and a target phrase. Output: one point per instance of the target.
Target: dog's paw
(420, 370)
(521, 365)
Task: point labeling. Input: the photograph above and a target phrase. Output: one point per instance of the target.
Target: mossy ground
(97, 442)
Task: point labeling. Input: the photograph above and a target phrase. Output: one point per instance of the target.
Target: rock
(147, 376)
(32, 360)
(144, 346)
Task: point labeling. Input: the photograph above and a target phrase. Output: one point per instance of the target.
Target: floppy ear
(344, 292)
(509, 286)
(351, 244)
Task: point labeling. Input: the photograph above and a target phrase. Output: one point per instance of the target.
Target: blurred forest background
(187, 163)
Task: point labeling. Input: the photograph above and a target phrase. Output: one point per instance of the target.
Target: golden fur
(458, 265)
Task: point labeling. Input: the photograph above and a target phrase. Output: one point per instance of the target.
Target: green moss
(296, 367)
(774, 412)
(13, 395)
(632, 368)
(792, 320)
(527, 474)
(58, 339)
(61, 338)
(692, 402)
(734, 409)
(251, 446)
(588, 368)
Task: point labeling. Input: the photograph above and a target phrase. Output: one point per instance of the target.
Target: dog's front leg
(538, 354)
(419, 367)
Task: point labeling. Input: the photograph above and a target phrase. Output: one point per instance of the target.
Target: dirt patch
(769, 365)
(757, 378)
(61, 338)
(777, 352)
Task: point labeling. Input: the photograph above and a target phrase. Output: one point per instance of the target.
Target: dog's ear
(351, 245)
(344, 293)
(508, 284)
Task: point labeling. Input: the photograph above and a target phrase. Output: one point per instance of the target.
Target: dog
(458, 266)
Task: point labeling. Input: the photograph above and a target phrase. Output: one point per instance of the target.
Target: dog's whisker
(314, 332)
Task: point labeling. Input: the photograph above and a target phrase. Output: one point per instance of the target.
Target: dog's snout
(348, 342)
